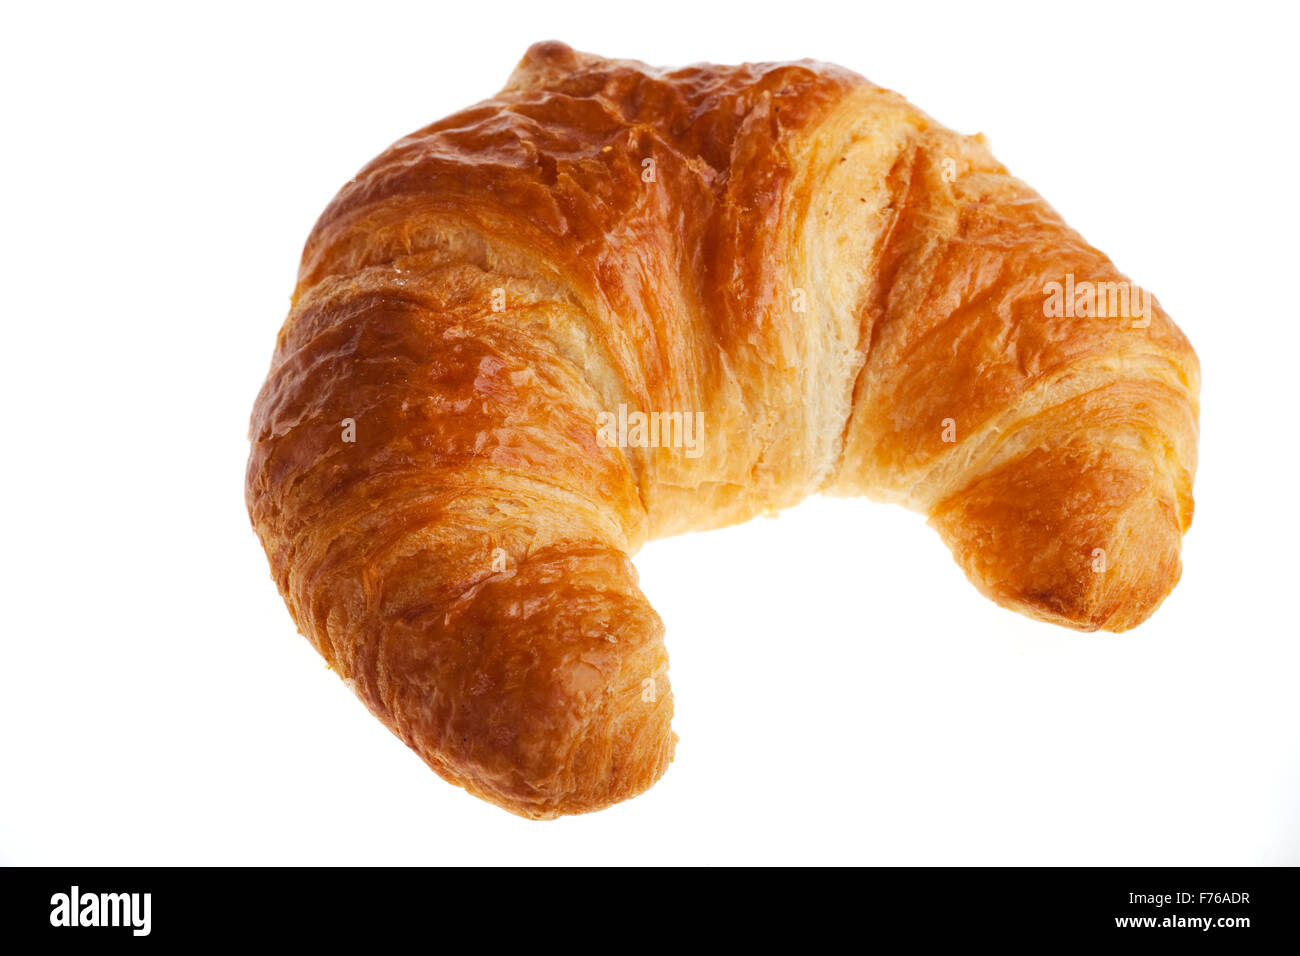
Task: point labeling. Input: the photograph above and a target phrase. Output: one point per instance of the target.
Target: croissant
(615, 303)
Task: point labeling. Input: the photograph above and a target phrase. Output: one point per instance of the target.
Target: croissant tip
(1072, 535)
(640, 771)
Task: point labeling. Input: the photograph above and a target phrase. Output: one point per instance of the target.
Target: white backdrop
(843, 694)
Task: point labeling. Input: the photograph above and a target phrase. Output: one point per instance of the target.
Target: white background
(843, 694)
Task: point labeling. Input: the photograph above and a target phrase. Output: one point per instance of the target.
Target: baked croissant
(615, 303)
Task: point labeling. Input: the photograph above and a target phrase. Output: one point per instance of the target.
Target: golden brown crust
(852, 298)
